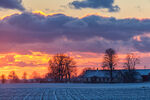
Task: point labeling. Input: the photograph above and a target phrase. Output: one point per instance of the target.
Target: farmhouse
(103, 76)
(96, 76)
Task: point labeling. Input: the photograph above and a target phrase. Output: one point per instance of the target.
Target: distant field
(140, 91)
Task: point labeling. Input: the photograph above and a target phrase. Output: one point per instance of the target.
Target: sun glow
(44, 14)
(38, 61)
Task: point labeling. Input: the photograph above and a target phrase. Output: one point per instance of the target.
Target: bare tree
(56, 67)
(13, 77)
(130, 64)
(131, 61)
(3, 79)
(24, 77)
(110, 61)
(69, 67)
(61, 67)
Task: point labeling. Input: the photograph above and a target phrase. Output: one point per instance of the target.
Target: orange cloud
(24, 63)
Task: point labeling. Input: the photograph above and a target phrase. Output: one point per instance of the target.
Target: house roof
(105, 73)
(94, 73)
(143, 71)
(97, 73)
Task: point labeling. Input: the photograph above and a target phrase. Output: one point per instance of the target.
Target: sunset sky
(32, 31)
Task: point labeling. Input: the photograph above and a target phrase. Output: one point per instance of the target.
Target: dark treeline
(62, 68)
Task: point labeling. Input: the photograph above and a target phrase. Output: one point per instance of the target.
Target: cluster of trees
(111, 60)
(62, 68)
(13, 78)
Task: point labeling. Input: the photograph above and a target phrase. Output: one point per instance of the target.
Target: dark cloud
(11, 4)
(96, 4)
(29, 27)
(143, 45)
(27, 31)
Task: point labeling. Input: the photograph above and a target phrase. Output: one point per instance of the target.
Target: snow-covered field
(138, 91)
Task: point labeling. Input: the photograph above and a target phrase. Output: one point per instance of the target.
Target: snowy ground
(140, 91)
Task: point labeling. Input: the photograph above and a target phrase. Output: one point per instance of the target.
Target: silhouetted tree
(3, 79)
(110, 61)
(24, 77)
(13, 77)
(130, 64)
(131, 61)
(61, 67)
(69, 67)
